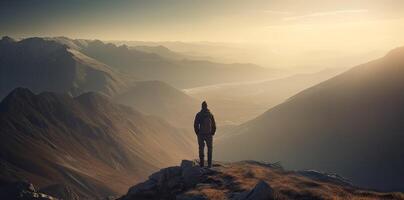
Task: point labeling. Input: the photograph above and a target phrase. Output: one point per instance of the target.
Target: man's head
(204, 105)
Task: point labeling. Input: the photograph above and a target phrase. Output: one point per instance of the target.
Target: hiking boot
(201, 162)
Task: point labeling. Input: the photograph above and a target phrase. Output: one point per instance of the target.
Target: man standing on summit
(205, 128)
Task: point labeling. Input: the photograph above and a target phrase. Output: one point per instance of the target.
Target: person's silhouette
(205, 128)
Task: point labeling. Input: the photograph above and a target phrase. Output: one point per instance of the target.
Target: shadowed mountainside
(87, 143)
(248, 180)
(351, 124)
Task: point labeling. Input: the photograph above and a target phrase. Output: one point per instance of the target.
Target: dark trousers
(202, 139)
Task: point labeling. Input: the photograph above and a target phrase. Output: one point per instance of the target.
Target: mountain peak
(21, 91)
(16, 95)
(7, 39)
(245, 180)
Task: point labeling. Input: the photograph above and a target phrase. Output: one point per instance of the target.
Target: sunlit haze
(279, 30)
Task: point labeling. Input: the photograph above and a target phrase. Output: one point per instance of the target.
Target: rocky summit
(247, 180)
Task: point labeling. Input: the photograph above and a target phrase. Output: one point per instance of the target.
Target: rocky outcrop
(22, 190)
(246, 180)
(168, 182)
(171, 182)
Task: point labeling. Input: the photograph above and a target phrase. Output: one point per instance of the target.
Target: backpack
(205, 124)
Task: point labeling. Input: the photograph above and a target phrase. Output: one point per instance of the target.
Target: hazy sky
(305, 24)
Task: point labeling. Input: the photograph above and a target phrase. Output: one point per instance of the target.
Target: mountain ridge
(87, 143)
(358, 110)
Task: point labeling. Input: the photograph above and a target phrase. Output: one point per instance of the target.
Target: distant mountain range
(168, 53)
(352, 124)
(151, 64)
(87, 144)
(70, 66)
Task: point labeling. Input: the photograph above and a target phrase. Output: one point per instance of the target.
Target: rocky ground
(247, 180)
(22, 190)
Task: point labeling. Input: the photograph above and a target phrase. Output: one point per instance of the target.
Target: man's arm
(196, 124)
(213, 125)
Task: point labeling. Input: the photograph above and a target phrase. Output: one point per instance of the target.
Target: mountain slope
(248, 180)
(86, 143)
(45, 65)
(352, 124)
(160, 99)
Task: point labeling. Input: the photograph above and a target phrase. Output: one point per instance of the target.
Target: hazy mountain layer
(162, 51)
(182, 73)
(44, 65)
(352, 125)
(86, 143)
(237, 103)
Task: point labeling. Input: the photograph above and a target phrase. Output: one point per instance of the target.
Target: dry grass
(241, 177)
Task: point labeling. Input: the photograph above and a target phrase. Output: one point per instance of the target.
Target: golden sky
(338, 25)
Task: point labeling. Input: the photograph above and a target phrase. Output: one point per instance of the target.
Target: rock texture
(168, 182)
(262, 191)
(247, 180)
(22, 190)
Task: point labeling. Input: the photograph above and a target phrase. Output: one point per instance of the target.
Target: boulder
(145, 189)
(163, 176)
(169, 182)
(191, 176)
(185, 164)
(261, 191)
(160, 185)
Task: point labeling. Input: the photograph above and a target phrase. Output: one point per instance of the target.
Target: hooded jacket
(201, 126)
